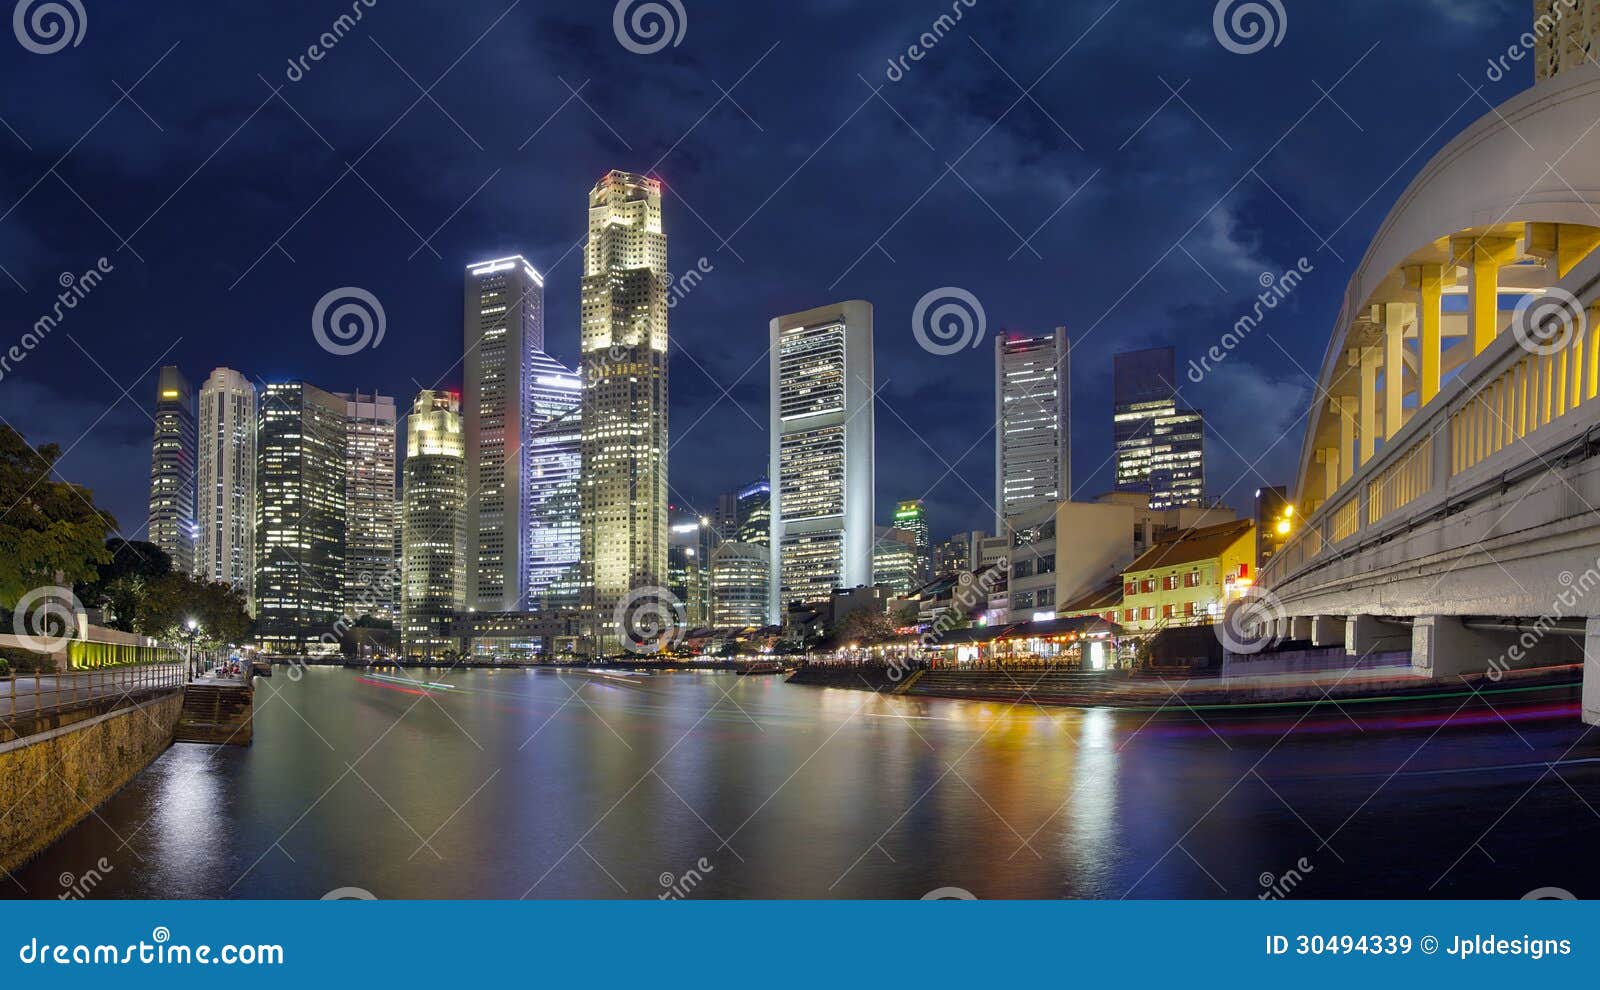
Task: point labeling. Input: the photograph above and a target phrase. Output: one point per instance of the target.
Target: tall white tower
(503, 327)
(821, 453)
(225, 486)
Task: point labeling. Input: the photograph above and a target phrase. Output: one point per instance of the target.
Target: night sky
(1103, 201)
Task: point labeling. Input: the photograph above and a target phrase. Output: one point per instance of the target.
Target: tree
(123, 583)
(865, 627)
(51, 533)
(171, 601)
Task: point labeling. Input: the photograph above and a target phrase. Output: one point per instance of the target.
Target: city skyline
(1099, 452)
(722, 312)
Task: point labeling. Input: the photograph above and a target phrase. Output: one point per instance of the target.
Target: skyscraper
(433, 525)
(739, 585)
(503, 328)
(912, 516)
(624, 338)
(821, 453)
(300, 519)
(172, 470)
(755, 513)
(688, 563)
(1033, 423)
(555, 460)
(1160, 447)
(894, 561)
(225, 492)
(371, 576)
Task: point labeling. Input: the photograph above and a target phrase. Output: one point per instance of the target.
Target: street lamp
(193, 628)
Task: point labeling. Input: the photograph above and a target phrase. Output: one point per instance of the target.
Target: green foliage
(171, 601)
(50, 531)
(122, 584)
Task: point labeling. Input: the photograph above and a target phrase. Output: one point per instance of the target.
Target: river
(550, 784)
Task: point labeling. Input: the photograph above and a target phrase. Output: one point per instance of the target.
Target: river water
(570, 784)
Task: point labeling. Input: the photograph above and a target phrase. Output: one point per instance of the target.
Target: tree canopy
(51, 532)
(121, 586)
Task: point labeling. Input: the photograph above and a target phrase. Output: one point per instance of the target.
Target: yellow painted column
(1394, 367)
(1428, 282)
(1329, 456)
(1591, 385)
(1345, 408)
(1483, 256)
(1371, 359)
(1573, 244)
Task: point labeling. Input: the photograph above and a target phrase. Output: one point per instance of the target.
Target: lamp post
(193, 628)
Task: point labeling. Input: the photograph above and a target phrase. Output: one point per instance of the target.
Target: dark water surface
(572, 784)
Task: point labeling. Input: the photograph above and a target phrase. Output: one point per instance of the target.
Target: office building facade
(372, 574)
(300, 519)
(1033, 423)
(433, 591)
(555, 462)
(1159, 446)
(821, 453)
(739, 585)
(503, 330)
(623, 483)
(171, 524)
(225, 486)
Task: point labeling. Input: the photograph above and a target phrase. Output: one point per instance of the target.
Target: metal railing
(26, 694)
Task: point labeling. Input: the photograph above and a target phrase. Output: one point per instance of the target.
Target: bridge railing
(1508, 407)
(27, 694)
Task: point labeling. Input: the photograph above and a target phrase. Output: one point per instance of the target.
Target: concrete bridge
(1449, 481)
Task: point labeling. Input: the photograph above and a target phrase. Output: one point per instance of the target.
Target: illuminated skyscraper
(503, 330)
(821, 453)
(371, 577)
(894, 561)
(433, 525)
(555, 459)
(225, 492)
(1160, 447)
(300, 519)
(172, 470)
(688, 563)
(623, 483)
(755, 513)
(1033, 423)
(739, 586)
(912, 516)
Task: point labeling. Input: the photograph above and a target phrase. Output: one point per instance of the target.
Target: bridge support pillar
(1300, 627)
(1591, 671)
(1365, 634)
(1442, 646)
(1327, 630)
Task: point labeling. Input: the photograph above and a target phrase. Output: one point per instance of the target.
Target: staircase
(216, 714)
